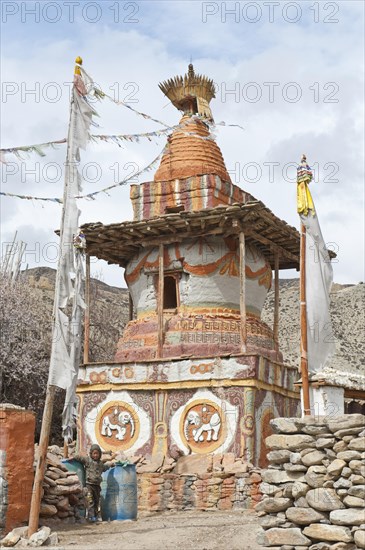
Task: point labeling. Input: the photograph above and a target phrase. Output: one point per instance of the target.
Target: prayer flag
(318, 278)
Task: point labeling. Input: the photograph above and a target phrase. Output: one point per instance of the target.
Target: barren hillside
(108, 310)
(348, 321)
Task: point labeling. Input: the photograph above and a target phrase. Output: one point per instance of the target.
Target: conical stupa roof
(191, 152)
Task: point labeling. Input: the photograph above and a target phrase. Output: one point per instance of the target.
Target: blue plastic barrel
(119, 493)
(75, 466)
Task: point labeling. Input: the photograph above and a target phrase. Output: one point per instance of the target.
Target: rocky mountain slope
(348, 323)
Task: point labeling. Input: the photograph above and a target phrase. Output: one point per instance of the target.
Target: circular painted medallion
(202, 426)
(117, 426)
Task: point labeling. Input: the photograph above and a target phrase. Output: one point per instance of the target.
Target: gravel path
(189, 530)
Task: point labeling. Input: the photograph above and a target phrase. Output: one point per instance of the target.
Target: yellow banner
(304, 199)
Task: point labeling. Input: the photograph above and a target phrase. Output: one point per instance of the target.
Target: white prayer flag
(318, 282)
(318, 278)
(66, 344)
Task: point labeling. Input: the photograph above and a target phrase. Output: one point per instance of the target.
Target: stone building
(196, 370)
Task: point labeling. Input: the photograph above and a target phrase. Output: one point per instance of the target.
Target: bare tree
(26, 333)
(25, 343)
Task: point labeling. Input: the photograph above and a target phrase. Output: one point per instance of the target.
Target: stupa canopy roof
(117, 243)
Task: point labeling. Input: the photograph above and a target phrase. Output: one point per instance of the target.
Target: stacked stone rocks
(202, 482)
(63, 495)
(314, 488)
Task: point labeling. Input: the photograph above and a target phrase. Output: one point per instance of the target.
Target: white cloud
(133, 58)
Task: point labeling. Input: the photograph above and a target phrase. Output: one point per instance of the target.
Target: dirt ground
(189, 530)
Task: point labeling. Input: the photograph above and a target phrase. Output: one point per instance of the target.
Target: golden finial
(191, 72)
(78, 62)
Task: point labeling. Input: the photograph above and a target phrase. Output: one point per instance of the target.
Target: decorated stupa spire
(190, 93)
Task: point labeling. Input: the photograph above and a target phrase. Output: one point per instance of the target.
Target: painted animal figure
(109, 425)
(211, 427)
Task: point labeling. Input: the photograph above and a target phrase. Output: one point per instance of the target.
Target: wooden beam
(160, 299)
(243, 292)
(283, 252)
(117, 242)
(130, 306)
(135, 232)
(196, 233)
(355, 394)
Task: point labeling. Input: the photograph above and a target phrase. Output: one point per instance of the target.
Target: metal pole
(303, 326)
(243, 292)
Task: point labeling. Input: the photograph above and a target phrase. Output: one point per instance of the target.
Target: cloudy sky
(290, 73)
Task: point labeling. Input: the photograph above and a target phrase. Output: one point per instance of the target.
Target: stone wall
(63, 497)
(17, 427)
(220, 482)
(314, 487)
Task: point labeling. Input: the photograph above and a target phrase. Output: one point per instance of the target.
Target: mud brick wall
(17, 428)
(314, 488)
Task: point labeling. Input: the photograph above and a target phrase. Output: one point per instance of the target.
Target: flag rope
(110, 138)
(88, 195)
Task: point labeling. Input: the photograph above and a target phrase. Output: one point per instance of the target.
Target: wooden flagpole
(35, 504)
(303, 325)
(87, 311)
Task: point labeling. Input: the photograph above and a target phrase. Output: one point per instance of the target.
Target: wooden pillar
(160, 299)
(130, 306)
(35, 504)
(303, 326)
(243, 291)
(87, 311)
(65, 449)
(276, 302)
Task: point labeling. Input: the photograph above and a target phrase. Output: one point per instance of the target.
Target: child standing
(94, 467)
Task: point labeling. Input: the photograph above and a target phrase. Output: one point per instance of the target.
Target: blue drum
(75, 466)
(119, 493)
